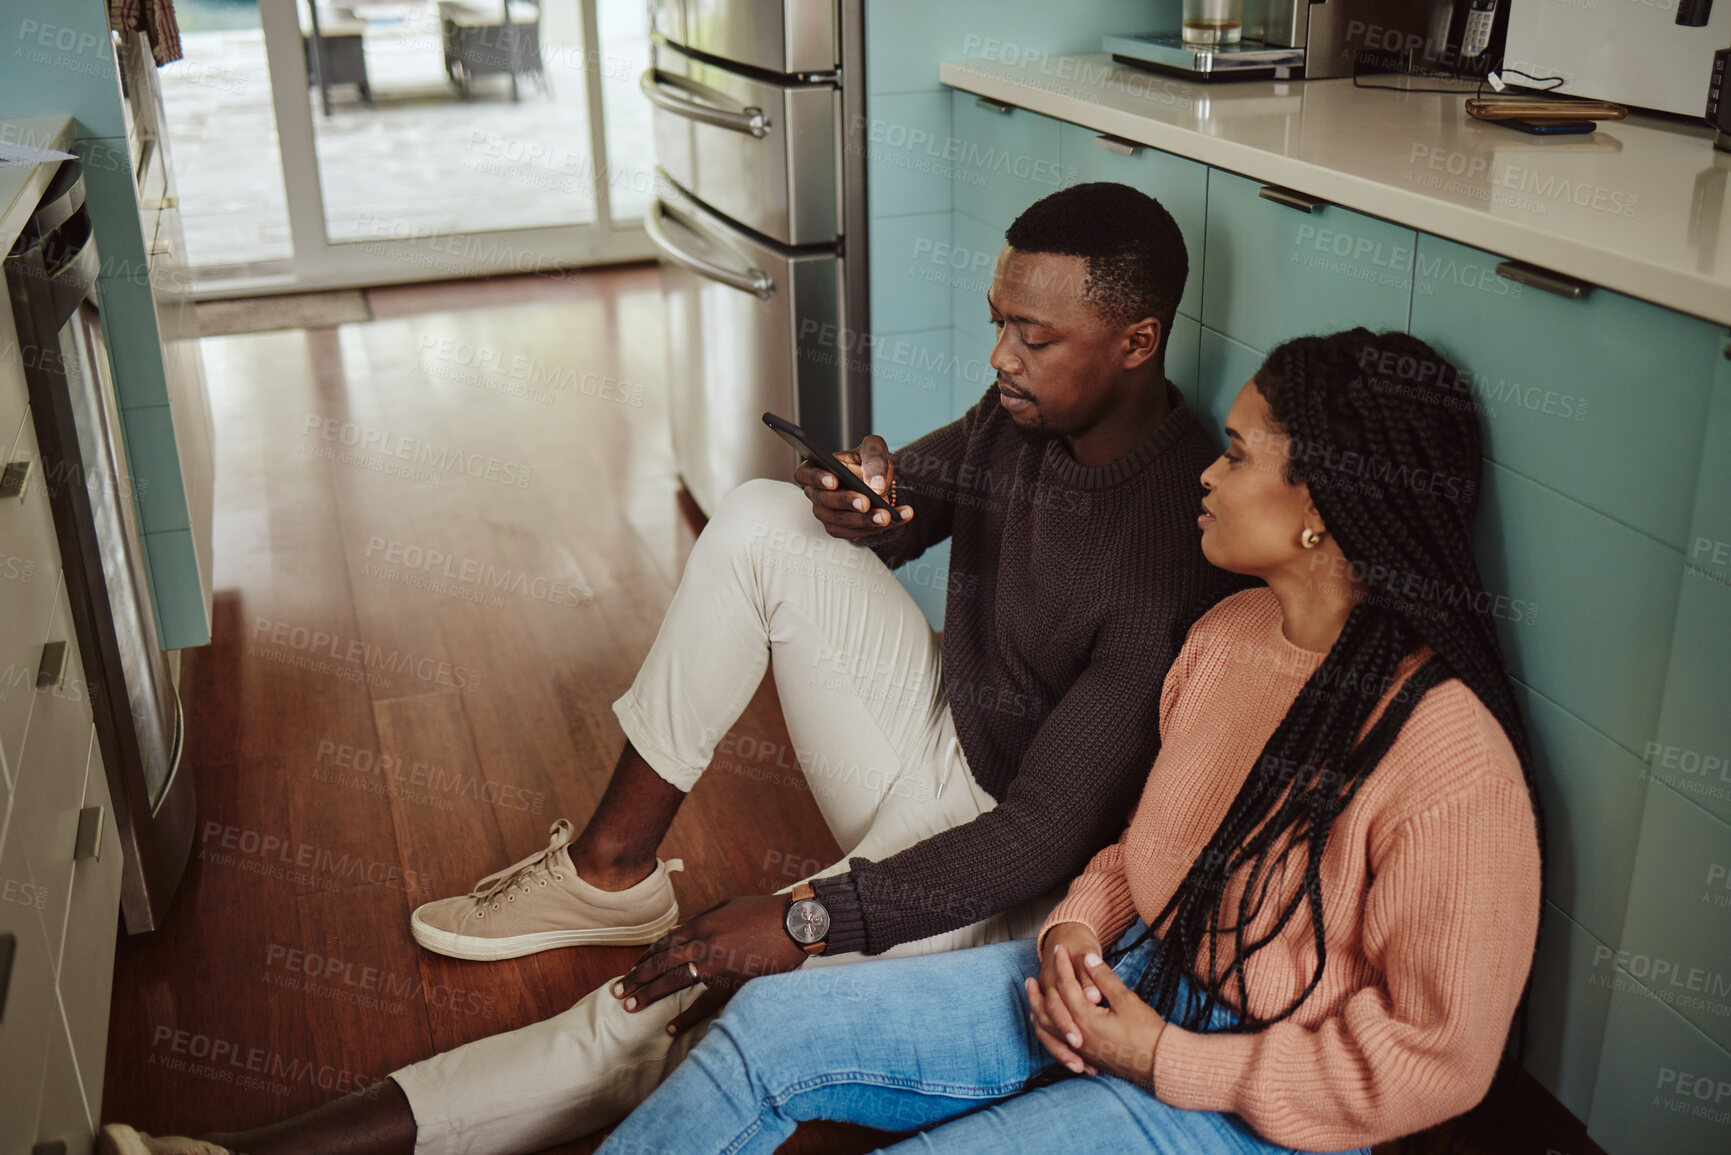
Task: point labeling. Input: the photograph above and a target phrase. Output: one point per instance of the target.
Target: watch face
(807, 921)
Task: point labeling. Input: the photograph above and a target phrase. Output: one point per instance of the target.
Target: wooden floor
(337, 792)
(314, 967)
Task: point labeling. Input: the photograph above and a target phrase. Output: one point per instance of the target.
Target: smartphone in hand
(844, 477)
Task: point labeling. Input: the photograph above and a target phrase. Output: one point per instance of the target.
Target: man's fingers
(812, 474)
(845, 500)
(708, 1003)
(656, 963)
(874, 457)
(674, 978)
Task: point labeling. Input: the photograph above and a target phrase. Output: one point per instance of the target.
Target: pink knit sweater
(1430, 893)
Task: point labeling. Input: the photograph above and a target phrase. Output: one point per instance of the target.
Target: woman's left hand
(1120, 1037)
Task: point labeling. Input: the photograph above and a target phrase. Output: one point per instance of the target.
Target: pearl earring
(1310, 539)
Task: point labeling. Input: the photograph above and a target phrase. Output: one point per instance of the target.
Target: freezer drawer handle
(658, 87)
(754, 280)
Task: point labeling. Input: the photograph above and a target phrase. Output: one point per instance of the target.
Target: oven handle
(657, 85)
(754, 280)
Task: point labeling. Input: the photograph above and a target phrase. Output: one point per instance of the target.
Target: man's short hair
(1136, 258)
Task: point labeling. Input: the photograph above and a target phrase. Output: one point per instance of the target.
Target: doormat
(285, 311)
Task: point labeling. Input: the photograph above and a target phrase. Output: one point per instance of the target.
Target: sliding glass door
(362, 143)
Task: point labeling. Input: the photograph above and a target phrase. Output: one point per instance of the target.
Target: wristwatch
(807, 919)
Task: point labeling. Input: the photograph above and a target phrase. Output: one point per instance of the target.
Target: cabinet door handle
(89, 842)
(16, 479)
(1536, 278)
(163, 203)
(1118, 145)
(991, 105)
(1292, 200)
(51, 671)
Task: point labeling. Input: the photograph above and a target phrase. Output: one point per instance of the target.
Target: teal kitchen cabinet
(1662, 1085)
(1583, 604)
(1691, 751)
(1602, 397)
(1184, 357)
(1292, 266)
(1677, 937)
(1008, 158)
(1178, 183)
(1225, 365)
(1573, 974)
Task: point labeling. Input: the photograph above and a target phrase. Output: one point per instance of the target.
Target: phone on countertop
(844, 477)
(1550, 127)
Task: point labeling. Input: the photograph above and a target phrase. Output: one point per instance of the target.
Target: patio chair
(483, 39)
(331, 38)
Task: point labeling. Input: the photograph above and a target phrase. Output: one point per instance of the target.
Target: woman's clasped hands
(1085, 1016)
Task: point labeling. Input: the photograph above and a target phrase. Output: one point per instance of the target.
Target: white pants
(858, 672)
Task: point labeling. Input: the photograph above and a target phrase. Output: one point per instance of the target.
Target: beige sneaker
(119, 1139)
(540, 903)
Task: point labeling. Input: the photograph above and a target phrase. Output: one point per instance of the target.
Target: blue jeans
(941, 1044)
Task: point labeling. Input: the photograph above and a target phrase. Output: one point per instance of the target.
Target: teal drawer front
(908, 147)
(1592, 791)
(1677, 937)
(1271, 272)
(182, 618)
(911, 264)
(1184, 357)
(1571, 997)
(1663, 1086)
(1007, 160)
(129, 321)
(1691, 750)
(155, 469)
(1223, 368)
(1180, 184)
(969, 265)
(911, 383)
(1709, 548)
(1585, 604)
(974, 373)
(1603, 398)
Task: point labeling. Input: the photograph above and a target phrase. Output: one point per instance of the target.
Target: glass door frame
(319, 263)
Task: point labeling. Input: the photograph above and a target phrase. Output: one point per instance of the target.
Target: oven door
(762, 153)
(753, 328)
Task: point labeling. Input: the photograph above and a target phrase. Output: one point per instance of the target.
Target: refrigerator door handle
(661, 90)
(753, 280)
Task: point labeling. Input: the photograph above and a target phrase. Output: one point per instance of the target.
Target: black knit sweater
(1069, 586)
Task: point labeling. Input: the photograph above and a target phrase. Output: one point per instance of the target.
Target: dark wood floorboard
(335, 793)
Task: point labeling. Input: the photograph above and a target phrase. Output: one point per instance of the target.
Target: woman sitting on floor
(1338, 845)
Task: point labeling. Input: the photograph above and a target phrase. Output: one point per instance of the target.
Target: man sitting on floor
(969, 785)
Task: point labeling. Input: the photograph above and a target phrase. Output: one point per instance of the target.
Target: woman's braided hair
(1385, 434)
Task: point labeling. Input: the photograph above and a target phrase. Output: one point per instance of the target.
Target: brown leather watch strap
(800, 893)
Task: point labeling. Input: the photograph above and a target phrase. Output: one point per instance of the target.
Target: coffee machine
(1292, 39)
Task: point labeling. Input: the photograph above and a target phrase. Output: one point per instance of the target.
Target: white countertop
(1639, 206)
(21, 185)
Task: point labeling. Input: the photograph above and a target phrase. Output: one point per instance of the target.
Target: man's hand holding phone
(846, 514)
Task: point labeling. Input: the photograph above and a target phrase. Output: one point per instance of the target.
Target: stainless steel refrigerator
(759, 115)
